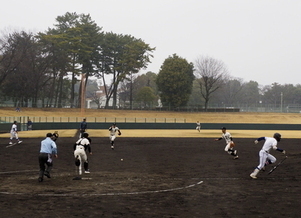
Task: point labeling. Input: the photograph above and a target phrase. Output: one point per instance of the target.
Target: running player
(113, 129)
(14, 133)
(198, 126)
(265, 157)
(229, 143)
(80, 155)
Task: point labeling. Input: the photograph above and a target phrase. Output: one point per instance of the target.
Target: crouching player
(80, 148)
(229, 143)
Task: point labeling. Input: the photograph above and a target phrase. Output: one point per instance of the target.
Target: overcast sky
(257, 40)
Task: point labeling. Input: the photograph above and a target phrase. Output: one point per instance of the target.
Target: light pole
(281, 100)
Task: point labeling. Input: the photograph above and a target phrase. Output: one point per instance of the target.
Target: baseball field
(152, 175)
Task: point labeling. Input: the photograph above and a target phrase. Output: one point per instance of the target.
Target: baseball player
(198, 126)
(229, 143)
(265, 157)
(113, 129)
(14, 133)
(55, 135)
(80, 155)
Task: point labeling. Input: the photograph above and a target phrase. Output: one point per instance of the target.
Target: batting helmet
(277, 136)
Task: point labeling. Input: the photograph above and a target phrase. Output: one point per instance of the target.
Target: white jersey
(13, 128)
(227, 137)
(83, 141)
(269, 144)
(113, 130)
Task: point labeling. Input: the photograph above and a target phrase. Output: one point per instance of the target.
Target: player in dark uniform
(83, 127)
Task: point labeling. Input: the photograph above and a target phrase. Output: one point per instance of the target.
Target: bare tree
(211, 74)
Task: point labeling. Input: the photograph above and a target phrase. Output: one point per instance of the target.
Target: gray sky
(258, 40)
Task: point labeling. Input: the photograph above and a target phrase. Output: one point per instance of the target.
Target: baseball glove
(77, 162)
(232, 144)
(119, 133)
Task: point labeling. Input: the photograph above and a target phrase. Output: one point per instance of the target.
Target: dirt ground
(158, 177)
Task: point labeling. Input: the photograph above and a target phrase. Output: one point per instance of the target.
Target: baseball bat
(275, 167)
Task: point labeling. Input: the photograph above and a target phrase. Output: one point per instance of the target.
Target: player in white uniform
(80, 155)
(265, 157)
(14, 133)
(229, 143)
(198, 126)
(113, 129)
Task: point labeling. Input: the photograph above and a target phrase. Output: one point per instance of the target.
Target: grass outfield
(160, 133)
(190, 117)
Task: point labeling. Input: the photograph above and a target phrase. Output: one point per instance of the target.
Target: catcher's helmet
(277, 136)
(85, 135)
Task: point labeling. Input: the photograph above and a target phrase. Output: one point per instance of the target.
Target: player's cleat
(40, 179)
(19, 142)
(253, 176)
(47, 175)
(112, 147)
(10, 143)
(87, 171)
(236, 157)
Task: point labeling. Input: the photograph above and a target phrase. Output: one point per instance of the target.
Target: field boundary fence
(24, 119)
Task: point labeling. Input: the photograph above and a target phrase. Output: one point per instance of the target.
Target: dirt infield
(158, 177)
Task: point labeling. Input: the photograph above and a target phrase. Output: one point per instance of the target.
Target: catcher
(230, 144)
(113, 129)
(80, 147)
(55, 136)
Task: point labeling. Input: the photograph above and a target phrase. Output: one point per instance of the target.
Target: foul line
(20, 171)
(112, 194)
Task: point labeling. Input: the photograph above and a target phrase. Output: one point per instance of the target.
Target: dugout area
(158, 177)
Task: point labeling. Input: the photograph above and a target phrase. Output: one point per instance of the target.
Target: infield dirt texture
(158, 177)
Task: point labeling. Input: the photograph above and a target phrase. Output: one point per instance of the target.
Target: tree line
(47, 66)
(59, 67)
(207, 83)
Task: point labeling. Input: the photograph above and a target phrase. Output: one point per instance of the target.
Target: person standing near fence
(29, 125)
(83, 127)
(14, 133)
(47, 151)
